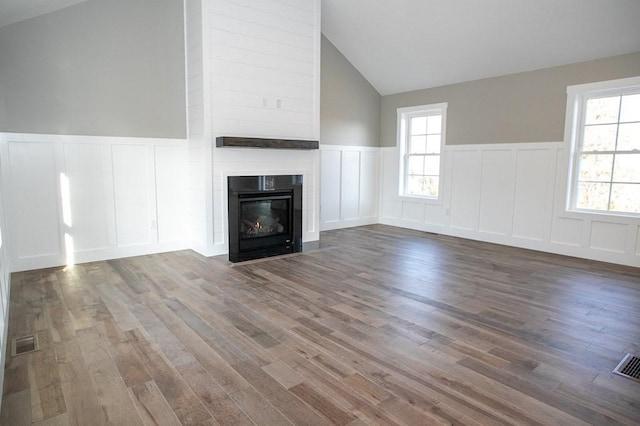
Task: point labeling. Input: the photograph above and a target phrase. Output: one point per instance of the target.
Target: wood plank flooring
(381, 325)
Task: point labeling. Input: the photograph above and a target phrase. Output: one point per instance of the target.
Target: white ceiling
(402, 45)
(18, 10)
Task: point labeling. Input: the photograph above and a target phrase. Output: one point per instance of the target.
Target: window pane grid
(422, 137)
(608, 173)
(419, 162)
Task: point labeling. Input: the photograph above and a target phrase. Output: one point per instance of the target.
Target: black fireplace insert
(265, 216)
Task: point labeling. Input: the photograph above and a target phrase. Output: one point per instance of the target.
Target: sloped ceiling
(12, 11)
(402, 45)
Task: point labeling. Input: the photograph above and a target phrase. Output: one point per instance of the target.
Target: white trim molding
(511, 194)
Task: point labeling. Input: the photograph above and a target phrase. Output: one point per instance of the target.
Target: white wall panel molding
(466, 178)
(497, 191)
(532, 206)
(5, 268)
(609, 236)
(567, 231)
(511, 194)
(349, 186)
(76, 199)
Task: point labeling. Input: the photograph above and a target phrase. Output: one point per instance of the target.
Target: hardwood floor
(379, 326)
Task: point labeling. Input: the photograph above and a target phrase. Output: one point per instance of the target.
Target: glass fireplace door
(265, 216)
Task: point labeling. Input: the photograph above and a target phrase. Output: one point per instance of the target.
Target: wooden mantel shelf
(237, 142)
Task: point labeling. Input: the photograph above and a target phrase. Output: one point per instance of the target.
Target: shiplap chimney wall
(253, 70)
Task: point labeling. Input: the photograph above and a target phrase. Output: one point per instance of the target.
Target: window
(421, 138)
(605, 169)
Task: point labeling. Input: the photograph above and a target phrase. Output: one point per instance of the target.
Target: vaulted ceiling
(18, 10)
(402, 45)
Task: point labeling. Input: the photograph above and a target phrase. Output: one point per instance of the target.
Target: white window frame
(404, 114)
(574, 126)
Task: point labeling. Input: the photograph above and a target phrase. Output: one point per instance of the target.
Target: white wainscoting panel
(413, 212)
(171, 199)
(33, 193)
(531, 207)
(497, 192)
(465, 188)
(77, 199)
(567, 231)
(511, 194)
(86, 196)
(349, 186)
(609, 236)
(330, 186)
(390, 205)
(369, 188)
(436, 216)
(134, 202)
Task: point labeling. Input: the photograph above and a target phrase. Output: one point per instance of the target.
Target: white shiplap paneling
(263, 62)
(200, 221)
(261, 78)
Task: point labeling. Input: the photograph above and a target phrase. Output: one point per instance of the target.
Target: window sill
(419, 199)
(600, 215)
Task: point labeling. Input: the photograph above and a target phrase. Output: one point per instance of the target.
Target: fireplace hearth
(265, 216)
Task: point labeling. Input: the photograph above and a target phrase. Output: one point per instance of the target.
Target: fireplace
(265, 216)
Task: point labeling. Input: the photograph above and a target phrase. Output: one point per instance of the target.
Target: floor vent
(629, 367)
(24, 345)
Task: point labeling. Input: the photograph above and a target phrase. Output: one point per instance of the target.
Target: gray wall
(349, 105)
(103, 67)
(524, 107)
